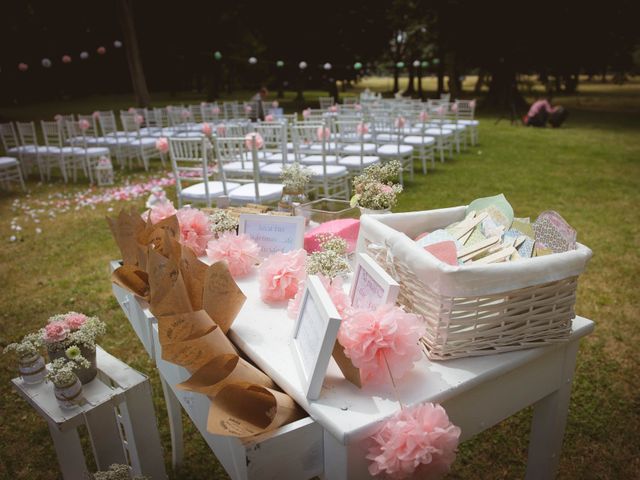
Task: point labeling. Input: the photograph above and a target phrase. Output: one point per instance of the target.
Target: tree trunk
(440, 78)
(396, 73)
(503, 90)
(280, 80)
(300, 96)
(454, 81)
(482, 75)
(136, 71)
(419, 74)
(410, 88)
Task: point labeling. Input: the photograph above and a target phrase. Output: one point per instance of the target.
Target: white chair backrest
(466, 109)
(161, 117)
(190, 161)
(178, 116)
(446, 97)
(131, 122)
(196, 113)
(325, 102)
(107, 121)
(8, 136)
(211, 112)
(349, 100)
(92, 131)
(230, 149)
(52, 133)
(27, 133)
(274, 135)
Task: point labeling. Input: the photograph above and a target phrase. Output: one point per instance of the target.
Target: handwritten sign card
(314, 336)
(273, 233)
(371, 285)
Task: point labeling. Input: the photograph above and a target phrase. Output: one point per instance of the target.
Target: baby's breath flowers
(375, 188)
(62, 370)
(222, 221)
(331, 261)
(28, 347)
(295, 177)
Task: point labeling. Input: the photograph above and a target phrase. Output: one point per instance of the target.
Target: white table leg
(106, 439)
(549, 421)
(69, 450)
(174, 412)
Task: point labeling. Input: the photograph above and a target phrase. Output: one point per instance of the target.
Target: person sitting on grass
(541, 111)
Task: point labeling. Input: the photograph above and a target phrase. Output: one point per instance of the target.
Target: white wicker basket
(473, 310)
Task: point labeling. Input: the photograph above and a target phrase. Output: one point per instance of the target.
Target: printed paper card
(371, 285)
(273, 233)
(554, 232)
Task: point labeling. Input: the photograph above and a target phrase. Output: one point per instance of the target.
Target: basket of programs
(484, 281)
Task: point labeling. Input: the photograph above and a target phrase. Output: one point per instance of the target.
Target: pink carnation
(280, 275)
(195, 229)
(374, 338)
(162, 144)
(334, 289)
(160, 211)
(239, 251)
(418, 440)
(56, 331)
(385, 188)
(75, 320)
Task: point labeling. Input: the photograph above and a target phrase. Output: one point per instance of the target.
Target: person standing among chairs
(542, 112)
(258, 99)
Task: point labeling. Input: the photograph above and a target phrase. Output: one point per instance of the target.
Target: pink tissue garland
(334, 289)
(195, 229)
(239, 251)
(418, 441)
(281, 274)
(374, 338)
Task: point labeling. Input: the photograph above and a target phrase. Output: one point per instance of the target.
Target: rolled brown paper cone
(131, 278)
(195, 353)
(183, 326)
(194, 272)
(222, 298)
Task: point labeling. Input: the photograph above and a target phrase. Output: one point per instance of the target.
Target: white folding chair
(389, 135)
(326, 102)
(27, 154)
(422, 143)
(141, 147)
(33, 152)
(358, 152)
(9, 171)
(91, 150)
(465, 113)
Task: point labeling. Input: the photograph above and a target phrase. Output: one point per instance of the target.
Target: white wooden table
(476, 392)
(130, 431)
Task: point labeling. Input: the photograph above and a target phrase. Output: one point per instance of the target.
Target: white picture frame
(371, 286)
(314, 336)
(273, 233)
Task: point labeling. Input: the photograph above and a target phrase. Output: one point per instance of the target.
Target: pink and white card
(371, 285)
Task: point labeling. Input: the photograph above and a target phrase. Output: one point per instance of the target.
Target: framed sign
(314, 336)
(371, 285)
(273, 233)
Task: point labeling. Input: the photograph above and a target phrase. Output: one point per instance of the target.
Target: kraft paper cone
(221, 371)
(195, 353)
(194, 272)
(222, 298)
(348, 369)
(184, 326)
(131, 278)
(154, 233)
(168, 295)
(125, 229)
(244, 410)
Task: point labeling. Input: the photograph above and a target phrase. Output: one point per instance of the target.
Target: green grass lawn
(589, 171)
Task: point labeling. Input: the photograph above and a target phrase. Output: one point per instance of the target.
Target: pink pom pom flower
(55, 332)
(195, 229)
(334, 289)
(400, 122)
(362, 128)
(306, 113)
(23, 67)
(424, 116)
(281, 274)
(269, 118)
(418, 441)
(253, 138)
(75, 320)
(215, 110)
(139, 119)
(239, 251)
(96, 115)
(83, 124)
(323, 133)
(66, 59)
(162, 144)
(207, 129)
(160, 211)
(373, 339)
(221, 130)
(101, 50)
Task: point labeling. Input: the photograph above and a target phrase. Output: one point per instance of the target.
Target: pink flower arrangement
(162, 144)
(362, 128)
(83, 124)
(357, 107)
(333, 108)
(239, 251)
(185, 114)
(323, 133)
(247, 109)
(424, 116)
(101, 50)
(386, 189)
(400, 122)
(472, 103)
(23, 67)
(269, 118)
(373, 339)
(334, 289)
(207, 129)
(281, 274)
(454, 107)
(418, 441)
(195, 229)
(66, 59)
(215, 110)
(253, 139)
(306, 113)
(56, 331)
(96, 115)
(221, 130)
(75, 320)
(139, 119)
(160, 211)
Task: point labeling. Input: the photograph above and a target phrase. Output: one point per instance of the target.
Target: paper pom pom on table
(281, 274)
(195, 229)
(381, 342)
(334, 289)
(161, 210)
(239, 251)
(162, 144)
(346, 228)
(417, 442)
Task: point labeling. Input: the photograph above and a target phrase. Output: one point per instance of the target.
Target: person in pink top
(541, 111)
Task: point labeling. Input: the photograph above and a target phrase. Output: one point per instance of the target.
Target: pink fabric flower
(333, 108)
(75, 320)
(83, 124)
(55, 331)
(185, 114)
(323, 133)
(207, 129)
(281, 274)
(131, 110)
(215, 110)
(472, 103)
(101, 50)
(23, 67)
(440, 110)
(275, 104)
(160, 211)
(374, 338)
(253, 138)
(269, 118)
(195, 229)
(357, 107)
(57, 117)
(139, 119)
(400, 122)
(306, 113)
(334, 289)
(239, 251)
(424, 116)
(418, 441)
(162, 144)
(248, 108)
(96, 115)
(66, 59)
(221, 130)
(362, 128)
(454, 107)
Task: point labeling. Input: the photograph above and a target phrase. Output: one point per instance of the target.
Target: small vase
(290, 200)
(70, 395)
(32, 369)
(370, 211)
(84, 374)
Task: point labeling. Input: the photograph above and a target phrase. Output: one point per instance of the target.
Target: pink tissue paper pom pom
(96, 115)
(424, 116)
(83, 124)
(323, 133)
(269, 118)
(207, 129)
(454, 107)
(334, 289)
(66, 59)
(162, 144)
(374, 338)
(56, 331)
(215, 110)
(239, 251)
(139, 119)
(400, 122)
(195, 229)
(362, 128)
(306, 112)
(472, 103)
(252, 138)
(418, 441)
(160, 211)
(185, 114)
(23, 67)
(75, 320)
(221, 130)
(248, 108)
(101, 50)
(281, 274)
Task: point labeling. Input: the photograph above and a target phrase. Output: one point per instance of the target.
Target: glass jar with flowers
(31, 364)
(295, 179)
(74, 329)
(375, 188)
(63, 374)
